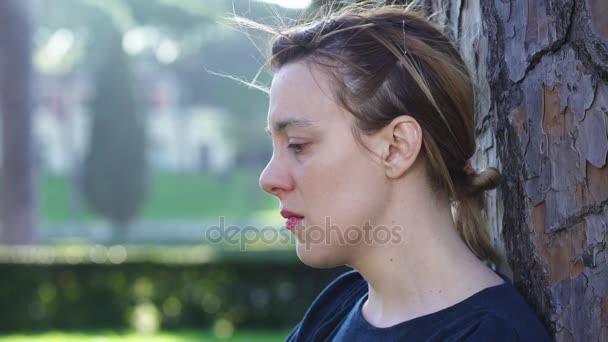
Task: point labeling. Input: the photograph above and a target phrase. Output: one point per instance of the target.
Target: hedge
(269, 290)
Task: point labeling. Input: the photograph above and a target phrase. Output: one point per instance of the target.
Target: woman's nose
(274, 179)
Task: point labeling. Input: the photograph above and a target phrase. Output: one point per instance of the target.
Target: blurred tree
(206, 45)
(115, 165)
(19, 199)
(185, 21)
(93, 23)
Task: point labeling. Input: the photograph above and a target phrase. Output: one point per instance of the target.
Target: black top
(497, 313)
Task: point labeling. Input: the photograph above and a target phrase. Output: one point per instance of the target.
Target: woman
(371, 119)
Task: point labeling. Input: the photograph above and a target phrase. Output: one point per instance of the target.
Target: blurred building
(181, 139)
(186, 139)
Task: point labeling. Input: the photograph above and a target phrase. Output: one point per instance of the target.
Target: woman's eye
(296, 148)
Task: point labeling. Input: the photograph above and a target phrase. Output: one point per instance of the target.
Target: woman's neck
(431, 268)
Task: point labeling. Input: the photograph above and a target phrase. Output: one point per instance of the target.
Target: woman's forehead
(300, 81)
(300, 92)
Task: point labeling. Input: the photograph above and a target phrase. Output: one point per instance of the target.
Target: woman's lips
(293, 219)
(293, 222)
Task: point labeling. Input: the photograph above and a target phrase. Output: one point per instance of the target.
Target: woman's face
(318, 170)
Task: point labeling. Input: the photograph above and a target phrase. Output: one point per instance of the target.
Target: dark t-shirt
(497, 313)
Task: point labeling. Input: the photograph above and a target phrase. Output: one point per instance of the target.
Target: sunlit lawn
(170, 197)
(180, 336)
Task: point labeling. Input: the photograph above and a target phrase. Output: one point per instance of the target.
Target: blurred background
(129, 198)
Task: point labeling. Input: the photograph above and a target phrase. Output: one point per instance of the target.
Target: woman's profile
(371, 115)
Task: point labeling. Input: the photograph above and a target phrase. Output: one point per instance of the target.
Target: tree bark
(18, 188)
(542, 117)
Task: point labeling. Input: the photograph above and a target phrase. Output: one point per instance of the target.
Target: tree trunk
(18, 188)
(542, 117)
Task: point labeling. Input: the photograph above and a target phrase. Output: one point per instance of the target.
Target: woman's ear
(401, 143)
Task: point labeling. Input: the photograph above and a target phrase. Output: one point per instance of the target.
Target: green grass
(179, 336)
(54, 198)
(171, 197)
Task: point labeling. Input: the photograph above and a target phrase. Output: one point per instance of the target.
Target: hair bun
(486, 179)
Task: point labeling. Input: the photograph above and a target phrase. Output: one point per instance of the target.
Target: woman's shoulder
(507, 313)
(493, 327)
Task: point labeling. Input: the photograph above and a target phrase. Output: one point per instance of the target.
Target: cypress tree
(114, 178)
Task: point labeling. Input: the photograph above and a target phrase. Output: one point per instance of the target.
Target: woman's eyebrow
(282, 125)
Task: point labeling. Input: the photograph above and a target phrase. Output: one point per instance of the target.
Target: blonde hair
(388, 61)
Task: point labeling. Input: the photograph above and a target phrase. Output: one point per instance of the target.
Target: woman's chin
(317, 255)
